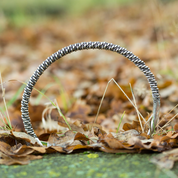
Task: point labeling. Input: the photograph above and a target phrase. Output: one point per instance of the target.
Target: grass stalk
(37, 101)
(112, 79)
(60, 113)
(120, 122)
(169, 121)
(4, 101)
(165, 125)
(134, 100)
(50, 102)
(102, 101)
(65, 101)
(16, 95)
(2, 119)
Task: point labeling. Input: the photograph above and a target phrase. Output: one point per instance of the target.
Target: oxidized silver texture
(81, 46)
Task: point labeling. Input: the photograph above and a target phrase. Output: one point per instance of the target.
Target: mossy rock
(89, 165)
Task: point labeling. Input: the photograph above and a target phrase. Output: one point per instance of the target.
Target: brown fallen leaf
(5, 148)
(80, 136)
(125, 136)
(80, 110)
(134, 125)
(62, 140)
(53, 149)
(20, 150)
(110, 150)
(77, 126)
(25, 137)
(77, 147)
(21, 136)
(7, 160)
(166, 159)
(109, 141)
(176, 128)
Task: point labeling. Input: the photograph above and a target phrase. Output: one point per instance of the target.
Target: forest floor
(78, 80)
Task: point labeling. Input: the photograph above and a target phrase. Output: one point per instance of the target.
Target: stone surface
(89, 165)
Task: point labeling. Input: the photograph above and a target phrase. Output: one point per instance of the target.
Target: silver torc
(82, 46)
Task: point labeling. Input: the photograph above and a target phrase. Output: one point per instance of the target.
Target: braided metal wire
(82, 46)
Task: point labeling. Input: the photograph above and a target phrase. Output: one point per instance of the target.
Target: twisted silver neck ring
(82, 46)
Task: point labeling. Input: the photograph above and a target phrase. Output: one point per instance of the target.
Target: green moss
(80, 165)
(123, 175)
(92, 155)
(54, 174)
(23, 173)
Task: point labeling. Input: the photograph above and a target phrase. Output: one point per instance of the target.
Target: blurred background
(31, 30)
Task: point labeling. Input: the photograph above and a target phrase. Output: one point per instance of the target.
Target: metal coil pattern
(82, 46)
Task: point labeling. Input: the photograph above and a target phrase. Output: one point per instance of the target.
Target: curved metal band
(82, 46)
